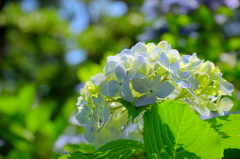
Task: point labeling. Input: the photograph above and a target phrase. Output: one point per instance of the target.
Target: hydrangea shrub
(144, 79)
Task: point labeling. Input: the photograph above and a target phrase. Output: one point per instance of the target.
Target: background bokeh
(48, 49)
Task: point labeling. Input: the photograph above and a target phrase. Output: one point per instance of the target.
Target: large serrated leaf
(133, 111)
(172, 130)
(228, 127)
(74, 155)
(118, 149)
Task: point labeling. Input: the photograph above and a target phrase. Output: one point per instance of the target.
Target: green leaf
(228, 127)
(172, 130)
(83, 147)
(133, 111)
(74, 155)
(120, 149)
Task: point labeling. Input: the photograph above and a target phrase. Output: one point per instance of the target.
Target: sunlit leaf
(172, 130)
(228, 128)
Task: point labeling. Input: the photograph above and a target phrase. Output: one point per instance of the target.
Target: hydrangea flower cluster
(144, 75)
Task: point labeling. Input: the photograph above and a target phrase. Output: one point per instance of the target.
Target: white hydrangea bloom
(144, 75)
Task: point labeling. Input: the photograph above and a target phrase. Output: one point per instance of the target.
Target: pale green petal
(196, 64)
(102, 137)
(81, 118)
(194, 83)
(145, 100)
(155, 81)
(163, 89)
(89, 126)
(212, 106)
(84, 115)
(105, 114)
(193, 66)
(141, 85)
(97, 114)
(101, 114)
(110, 89)
(126, 93)
(90, 136)
(120, 72)
(98, 102)
(101, 99)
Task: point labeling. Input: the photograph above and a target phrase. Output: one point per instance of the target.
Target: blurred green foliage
(39, 89)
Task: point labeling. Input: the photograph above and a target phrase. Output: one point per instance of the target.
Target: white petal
(184, 75)
(109, 68)
(145, 100)
(225, 104)
(169, 47)
(174, 52)
(163, 89)
(145, 55)
(163, 45)
(220, 112)
(81, 101)
(176, 69)
(126, 93)
(227, 87)
(139, 47)
(184, 84)
(141, 85)
(120, 72)
(145, 69)
(181, 83)
(185, 58)
(196, 64)
(109, 89)
(203, 111)
(164, 61)
(128, 52)
(154, 54)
